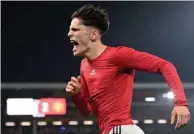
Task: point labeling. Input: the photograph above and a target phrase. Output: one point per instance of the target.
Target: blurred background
(37, 62)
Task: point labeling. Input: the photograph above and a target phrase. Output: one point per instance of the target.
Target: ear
(95, 35)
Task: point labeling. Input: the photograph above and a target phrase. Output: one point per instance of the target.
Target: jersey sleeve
(130, 58)
(81, 100)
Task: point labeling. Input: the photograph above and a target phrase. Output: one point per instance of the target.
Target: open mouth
(75, 43)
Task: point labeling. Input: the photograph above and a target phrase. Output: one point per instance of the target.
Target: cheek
(85, 40)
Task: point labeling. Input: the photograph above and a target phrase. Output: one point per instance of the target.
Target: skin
(90, 47)
(88, 38)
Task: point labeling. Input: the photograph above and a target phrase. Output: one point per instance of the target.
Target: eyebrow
(74, 28)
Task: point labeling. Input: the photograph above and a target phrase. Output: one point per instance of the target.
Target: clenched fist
(74, 86)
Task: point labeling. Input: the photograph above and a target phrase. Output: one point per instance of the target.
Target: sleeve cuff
(181, 103)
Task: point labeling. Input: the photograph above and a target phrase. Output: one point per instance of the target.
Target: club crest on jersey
(93, 72)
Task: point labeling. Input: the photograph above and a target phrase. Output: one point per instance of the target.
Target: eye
(75, 29)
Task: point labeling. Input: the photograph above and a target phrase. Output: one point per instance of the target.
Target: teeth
(74, 42)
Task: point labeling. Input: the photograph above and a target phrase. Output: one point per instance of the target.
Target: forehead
(76, 23)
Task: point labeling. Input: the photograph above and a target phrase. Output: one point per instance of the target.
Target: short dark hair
(93, 16)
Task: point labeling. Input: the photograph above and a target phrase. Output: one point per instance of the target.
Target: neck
(96, 50)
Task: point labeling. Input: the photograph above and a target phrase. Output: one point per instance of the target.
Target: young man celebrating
(105, 84)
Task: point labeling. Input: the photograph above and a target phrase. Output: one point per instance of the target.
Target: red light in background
(52, 106)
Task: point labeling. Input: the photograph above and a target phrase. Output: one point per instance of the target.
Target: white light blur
(162, 121)
(57, 123)
(169, 95)
(41, 123)
(25, 123)
(9, 124)
(20, 106)
(150, 99)
(148, 121)
(73, 122)
(88, 122)
(135, 121)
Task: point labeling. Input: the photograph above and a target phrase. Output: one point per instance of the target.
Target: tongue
(74, 48)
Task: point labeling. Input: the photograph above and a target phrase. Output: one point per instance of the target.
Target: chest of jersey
(99, 77)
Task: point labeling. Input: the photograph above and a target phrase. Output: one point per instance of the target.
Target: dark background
(35, 47)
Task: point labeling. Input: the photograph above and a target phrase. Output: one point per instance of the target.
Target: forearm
(82, 104)
(172, 78)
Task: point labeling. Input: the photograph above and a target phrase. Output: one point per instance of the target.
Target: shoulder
(120, 51)
(124, 49)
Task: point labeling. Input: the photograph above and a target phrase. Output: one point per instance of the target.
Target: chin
(78, 54)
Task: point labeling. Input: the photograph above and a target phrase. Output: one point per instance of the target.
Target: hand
(183, 116)
(74, 87)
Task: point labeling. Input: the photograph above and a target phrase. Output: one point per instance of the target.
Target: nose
(69, 34)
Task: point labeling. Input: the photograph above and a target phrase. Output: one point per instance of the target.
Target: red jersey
(107, 84)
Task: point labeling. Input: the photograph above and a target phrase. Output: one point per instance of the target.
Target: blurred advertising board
(36, 107)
